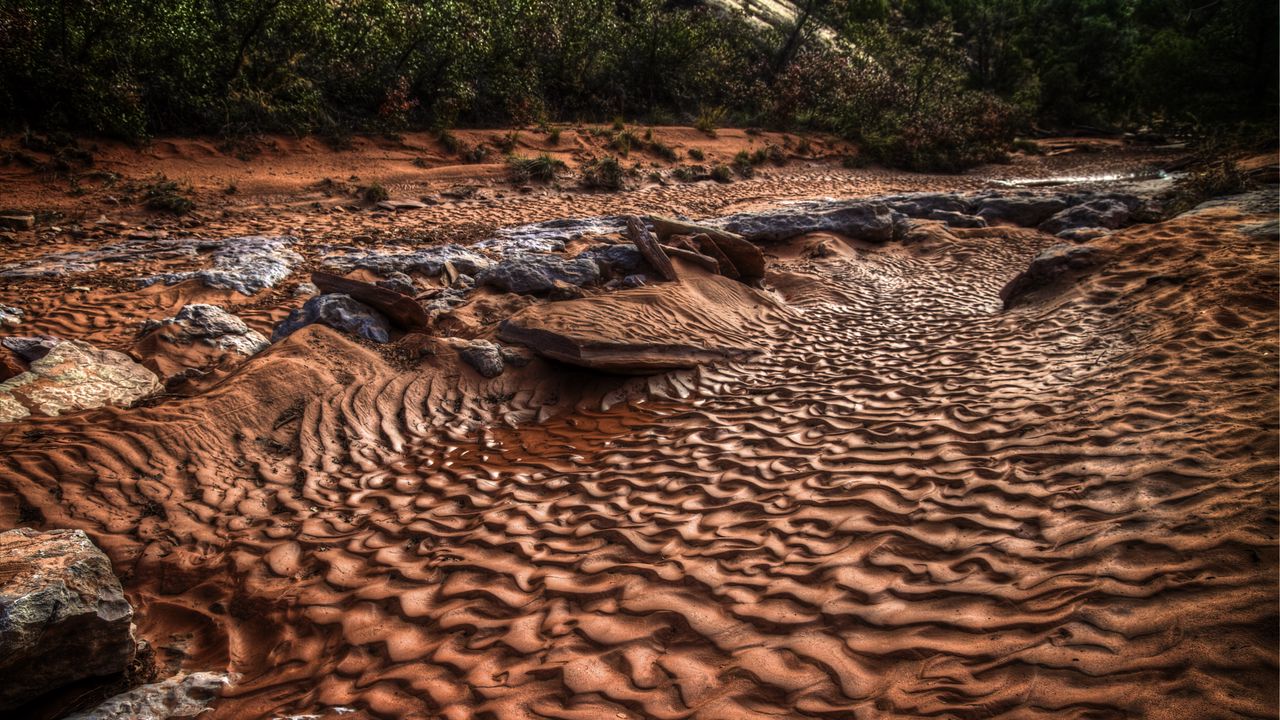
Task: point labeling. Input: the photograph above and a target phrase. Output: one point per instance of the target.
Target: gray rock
(955, 219)
(622, 259)
(339, 312)
(530, 273)
(922, 205)
(634, 281)
(76, 262)
(1049, 268)
(72, 375)
(1084, 234)
(446, 300)
(1024, 210)
(180, 696)
(63, 615)
(428, 261)
(10, 316)
(1101, 213)
(1257, 202)
(549, 236)
(400, 283)
(484, 356)
(244, 264)
(212, 326)
(305, 289)
(30, 348)
(869, 221)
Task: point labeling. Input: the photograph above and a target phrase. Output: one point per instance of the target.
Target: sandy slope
(912, 503)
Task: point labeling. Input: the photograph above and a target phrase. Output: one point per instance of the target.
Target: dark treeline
(935, 83)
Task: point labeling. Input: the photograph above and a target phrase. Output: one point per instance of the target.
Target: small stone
(483, 356)
(339, 312)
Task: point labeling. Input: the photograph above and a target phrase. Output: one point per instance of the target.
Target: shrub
(603, 173)
(623, 141)
(664, 151)
(508, 142)
(709, 118)
(696, 154)
(775, 154)
(451, 143)
(164, 195)
(374, 193)
(742, 163)
(553, 136)
(543, 168)
(722, 174)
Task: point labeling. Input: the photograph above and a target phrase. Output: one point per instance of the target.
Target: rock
(209, 325)
(427, 261)
(17, 221)
(634, 281)
(1024, 210)
(1049, 268)
(305, 289)
(74, 375)
(445, 300)
(1084, 234)
(1101, 213)
(63, 615)
(340, 312)
(549, 236)
(955, 219)
(621, 259)
(10, 316)
(868, 221)
(181, 696)
(400, 205)
(702, 318)
(75, 262)
(401, 309)
(925, 205)
(244, 264)
(485, 357)
(398, 282)
(529, 273)
(648, 246)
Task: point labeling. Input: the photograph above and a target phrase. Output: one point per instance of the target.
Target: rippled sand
(912, 504)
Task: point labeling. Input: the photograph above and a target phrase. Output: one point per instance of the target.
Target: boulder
(63, 615)
(244, 264)
(1101, 213)
(621, 259)
(868, 221)
(744, 260)
(1051, 267)
(924, 205)
(399, 282)
(340, 312)
(181, 696)
(532, 273)
(1024, 210)
(71, 375)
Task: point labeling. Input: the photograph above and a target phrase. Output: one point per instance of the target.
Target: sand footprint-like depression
(912, 504)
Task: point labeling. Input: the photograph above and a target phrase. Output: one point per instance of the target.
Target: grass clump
(507, 143)
(542, 168)
(374, 193)
(664, 151)
(744, 164)
(623, 141)
(553, 136)
(696, 154)
(708, 119)
(164, 195)
(603, 174)
(722, 174)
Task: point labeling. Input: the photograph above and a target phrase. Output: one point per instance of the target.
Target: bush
(722, 174)
(543, 168)
(623, 141)
(696, 154)
(164, 195)
(666, 152)
(374, 193)
(553, 136)
(603, 173)
(708, 119)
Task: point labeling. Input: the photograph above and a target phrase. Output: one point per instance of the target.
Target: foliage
(603, 173)
(921, 83)
(543, 168)
(722, 174)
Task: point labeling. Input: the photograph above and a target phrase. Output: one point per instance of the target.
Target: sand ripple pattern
(915, 505)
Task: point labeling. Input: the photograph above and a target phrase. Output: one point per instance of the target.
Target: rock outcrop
(63, 615)
(1024, 210)
(244, 264)
(69, 375)
(868, 221)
